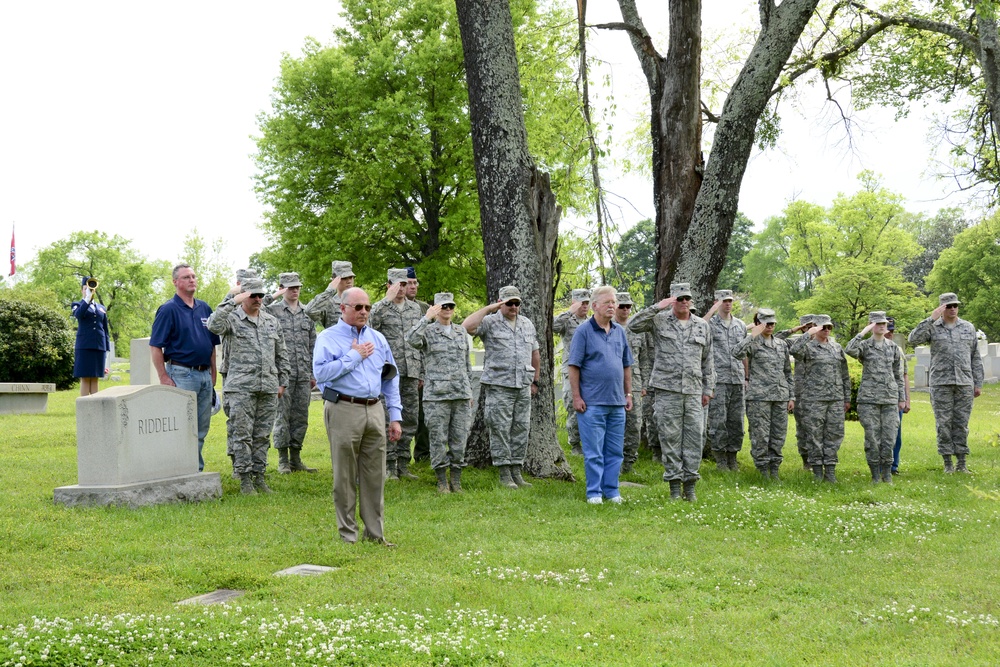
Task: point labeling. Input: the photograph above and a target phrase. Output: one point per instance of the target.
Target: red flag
(13, 266)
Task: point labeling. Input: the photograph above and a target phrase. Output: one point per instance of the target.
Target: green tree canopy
(366, 153)
(215, 276)
(971, 269)
(636, 253)
(934, 234)
(129, 283)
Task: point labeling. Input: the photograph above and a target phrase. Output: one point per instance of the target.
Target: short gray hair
(177, 269)
(598, 292)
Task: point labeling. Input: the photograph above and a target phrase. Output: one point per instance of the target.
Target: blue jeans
(899, 444)
(602, 437)
(200, 382)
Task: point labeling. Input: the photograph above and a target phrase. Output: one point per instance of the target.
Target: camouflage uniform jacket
(683, 355)
(799, 367)
(394, 322)
(565, 325)
(954, 352)
(447, 367)
(824, 370)
(223, 361)
(770, 368)
(728, 369)
(637, 344)
(645, 364)
(508, 351)
(324, 309)
(257, 358)
(881, 377)
(299, 334)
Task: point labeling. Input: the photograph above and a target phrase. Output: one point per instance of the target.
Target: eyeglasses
(683, 298)
(358, 307)
(447, 306)
(952, 305)
(624, 306)
(513, 304)
(828, 327)
(256, 296)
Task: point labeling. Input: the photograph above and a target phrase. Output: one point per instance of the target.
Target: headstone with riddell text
(138, 446)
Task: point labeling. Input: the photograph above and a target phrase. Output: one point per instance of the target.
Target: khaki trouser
(357, 449)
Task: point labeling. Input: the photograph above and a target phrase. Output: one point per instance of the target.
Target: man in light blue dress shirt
(354, 369)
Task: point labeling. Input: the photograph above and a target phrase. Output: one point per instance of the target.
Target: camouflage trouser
(801, 439)
(508, 416)
(680, 421)
(881, 423)
(293, 415)
(768, 426)
(725, 418)
(633, 426)
(251, 416)
(409, 396)
(572, 430)
(448, 423)
(952, 405)
(649, 423)
(823, 425)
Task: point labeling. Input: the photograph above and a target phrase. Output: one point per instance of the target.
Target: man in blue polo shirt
(183, 349)
(600, 377)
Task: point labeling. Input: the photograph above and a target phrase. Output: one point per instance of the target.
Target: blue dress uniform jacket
(92, 332)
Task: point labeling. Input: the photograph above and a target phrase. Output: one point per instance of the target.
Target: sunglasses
(256, 296)
(358, 307)
(513, 304)
(625, 306)
(952, 305)
(683, 298)
(828, 327)
(447, 306)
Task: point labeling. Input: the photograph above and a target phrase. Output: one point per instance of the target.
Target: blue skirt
(89, 364)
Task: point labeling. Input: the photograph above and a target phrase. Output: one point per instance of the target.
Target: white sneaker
(596, 500)
(617, 500)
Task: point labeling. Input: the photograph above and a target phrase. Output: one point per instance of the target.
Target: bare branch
(709, 116)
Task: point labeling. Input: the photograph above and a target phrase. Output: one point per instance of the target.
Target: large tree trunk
(703, 252)
(517, 209)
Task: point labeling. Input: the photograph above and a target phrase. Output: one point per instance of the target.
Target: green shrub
(36, 344)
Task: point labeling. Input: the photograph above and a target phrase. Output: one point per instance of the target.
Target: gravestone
(19, 398)
(922, 369)
(138, 446)
(141, 369)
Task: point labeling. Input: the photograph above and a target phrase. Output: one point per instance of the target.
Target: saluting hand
(280, 293)
(938, 312)
(364, 349)
(432, 312)
(334, 284)
(757, 329)
(666, 303)
(815, 330)
(871, 325)
(241, 297)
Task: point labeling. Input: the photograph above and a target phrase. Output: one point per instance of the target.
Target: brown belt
(359, 401)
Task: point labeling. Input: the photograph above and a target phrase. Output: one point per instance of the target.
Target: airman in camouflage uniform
(684, 379)
(393, 317)
(421, 441)
(633, 417)
(826, 395)
(805, 323)
(880, 395)
(241, 275)
(769, 392)
(956, 376)
(509, 379)
(725, 411)
(447, 388)
(325, 308)
(299, 334)
(257, 377)
(565, 325)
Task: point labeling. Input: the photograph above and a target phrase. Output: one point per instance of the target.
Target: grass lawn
(793, 573)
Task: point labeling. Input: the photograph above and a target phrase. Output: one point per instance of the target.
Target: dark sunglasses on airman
(447, 306)
(256, 296)
(683, 298)
(513, 304)
(624, 306)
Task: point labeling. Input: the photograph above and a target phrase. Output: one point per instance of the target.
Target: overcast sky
(135, 118)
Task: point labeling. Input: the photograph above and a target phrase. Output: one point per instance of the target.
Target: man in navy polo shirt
(600, 377)
(183, 349)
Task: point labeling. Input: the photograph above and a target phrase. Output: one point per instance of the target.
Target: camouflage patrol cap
(289, 280)
(341, 269)
(397, 275)
(948, 298)
(807, 319)
(723, 295)
(822, 321)
(580, 295)
(766, 316)
(243, 274)
(680, 289)
(877, 317)
(442, 298)
(624, 298)
(253, 285)
(510, 292)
